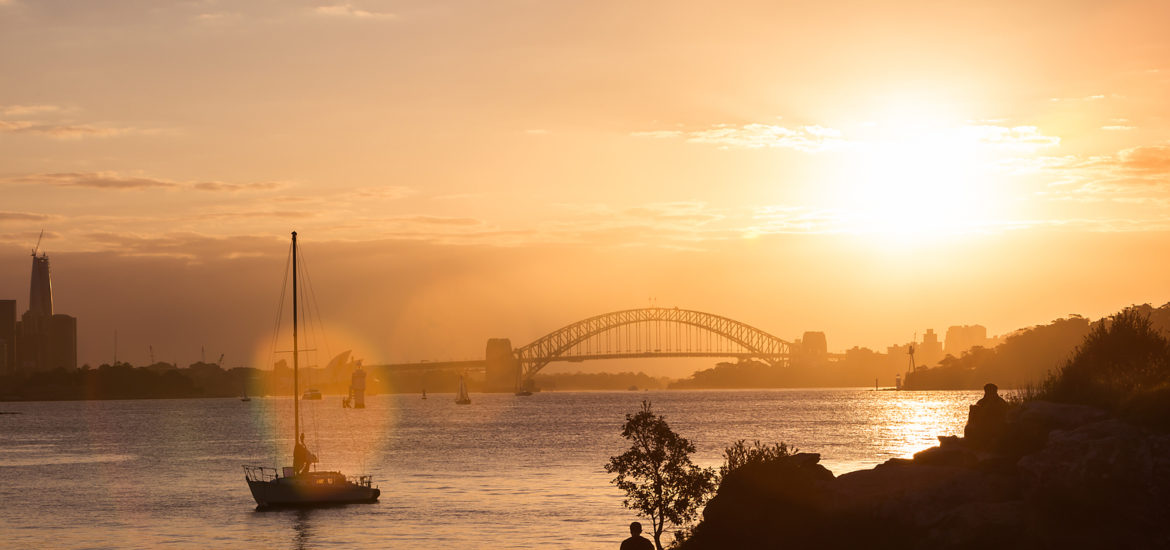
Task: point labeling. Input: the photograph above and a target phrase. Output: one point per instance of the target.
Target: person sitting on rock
(636, 542)
(986, 419)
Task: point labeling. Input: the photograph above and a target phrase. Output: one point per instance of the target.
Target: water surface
(504, 472)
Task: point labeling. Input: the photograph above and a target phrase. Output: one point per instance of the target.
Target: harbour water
(504, 472)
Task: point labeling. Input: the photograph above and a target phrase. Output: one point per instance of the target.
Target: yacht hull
(312, 489)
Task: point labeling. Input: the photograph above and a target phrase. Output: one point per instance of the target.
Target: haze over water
(504, 472)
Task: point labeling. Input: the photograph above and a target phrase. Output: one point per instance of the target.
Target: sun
(915, 177)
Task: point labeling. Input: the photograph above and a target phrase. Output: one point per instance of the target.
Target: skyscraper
(44, 340)
(40, 288)
(7, 336)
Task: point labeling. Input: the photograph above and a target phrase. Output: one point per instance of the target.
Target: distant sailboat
(244, 395)
(295, 485)
(462, 398)
(424, 394)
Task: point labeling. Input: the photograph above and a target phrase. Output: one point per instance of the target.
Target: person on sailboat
(302, 458)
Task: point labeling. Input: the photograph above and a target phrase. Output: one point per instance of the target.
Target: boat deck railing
(364, 481)
(260, 473)
(264, 473)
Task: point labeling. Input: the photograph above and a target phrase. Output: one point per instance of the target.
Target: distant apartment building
(7, 336)
(930, 350)
(962, 338)
(44, 340)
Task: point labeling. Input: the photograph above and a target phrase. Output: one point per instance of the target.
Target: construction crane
(38, 246)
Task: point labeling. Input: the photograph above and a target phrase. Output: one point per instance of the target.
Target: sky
(465, 170)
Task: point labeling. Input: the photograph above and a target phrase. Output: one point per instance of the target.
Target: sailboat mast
(296, 377)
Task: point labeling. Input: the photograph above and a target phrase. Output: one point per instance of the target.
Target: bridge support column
(503, 369)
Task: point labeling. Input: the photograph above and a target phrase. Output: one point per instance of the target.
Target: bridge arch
(651, 332)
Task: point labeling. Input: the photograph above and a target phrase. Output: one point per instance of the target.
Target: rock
(1075, 479)
(1054, 416)
(786, 496)
(1029, 424)
(946, 455)
(1110, 476)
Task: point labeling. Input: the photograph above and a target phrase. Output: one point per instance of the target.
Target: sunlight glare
(918, 178)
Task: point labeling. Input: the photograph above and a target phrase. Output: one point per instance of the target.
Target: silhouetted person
(986, 420)
(636, 542)
(302, 458)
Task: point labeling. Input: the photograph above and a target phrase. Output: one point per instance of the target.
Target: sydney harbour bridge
(633, 333)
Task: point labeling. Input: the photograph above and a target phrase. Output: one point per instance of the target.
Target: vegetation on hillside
(1123, 365)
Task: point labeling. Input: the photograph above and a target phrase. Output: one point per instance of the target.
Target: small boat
(424, 394)
(298, 485)
(462, 398)
(314, 395)
(244, 395)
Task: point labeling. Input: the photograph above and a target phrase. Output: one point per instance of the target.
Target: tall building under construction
(43, 340)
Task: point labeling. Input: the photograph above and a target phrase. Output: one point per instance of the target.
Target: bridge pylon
(503, 369)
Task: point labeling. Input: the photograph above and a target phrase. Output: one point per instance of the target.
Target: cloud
(1094, 97)
(1137, 175)
(217, 17)
(786, 219)
(1025, 138)
(189, 246)
(22, 217)
(1146, 159)
(61, 131)
(1118, 128)
(439, 220)
(807, 139)
(681, 212)
(95, 180)
(383, 192)
(235, 187)
(349, 10)
(116, 182)
(26, 110)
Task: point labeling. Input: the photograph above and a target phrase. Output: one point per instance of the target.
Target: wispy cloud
(1137, 175)
(189, 246)
(95, 180)
(236, 187)
(62, 131)
(27, 110)
(787, 219)
(1147, 159)
(438, 220)
(218, 17)
(1093, 97)
(22, 217)
(1024, 138)
(808, 139)
(114, 181)
(385, 192)
(349, 10)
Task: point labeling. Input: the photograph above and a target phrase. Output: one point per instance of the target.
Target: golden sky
(463, 170)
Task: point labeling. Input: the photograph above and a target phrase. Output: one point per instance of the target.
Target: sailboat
(244, 395)
(296, 485)
(462, 398)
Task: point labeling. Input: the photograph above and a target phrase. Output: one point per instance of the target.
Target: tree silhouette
(657, 474)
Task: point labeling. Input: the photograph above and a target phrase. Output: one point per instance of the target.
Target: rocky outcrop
(1061, 476)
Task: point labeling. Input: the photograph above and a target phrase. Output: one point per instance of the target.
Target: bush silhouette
(1123, 365)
